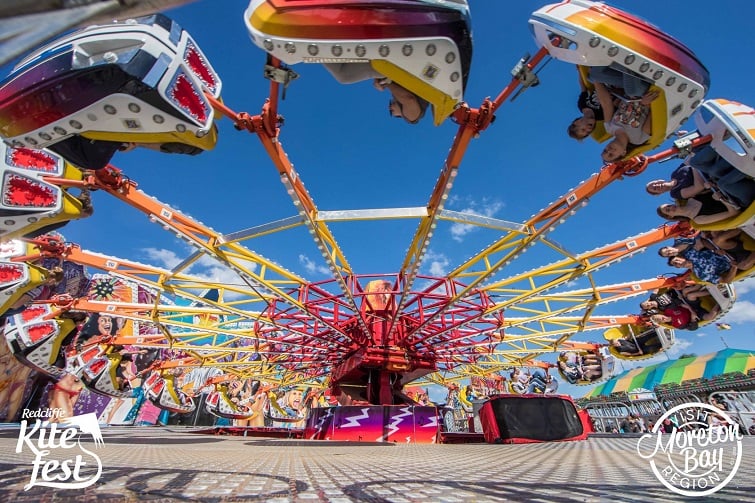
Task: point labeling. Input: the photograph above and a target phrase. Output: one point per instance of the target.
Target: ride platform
(174, 464)
(447, 437)
(248, 431)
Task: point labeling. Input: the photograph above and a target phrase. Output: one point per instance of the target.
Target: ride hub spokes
(379, 363)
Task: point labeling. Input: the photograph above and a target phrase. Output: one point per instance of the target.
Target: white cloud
(438, 263)
(743, 311)
(218, 272)
(206, 268)
(633, 364)
(680, 347)
(744, 286)
(311, 267)
(166, 258)
(485, 209)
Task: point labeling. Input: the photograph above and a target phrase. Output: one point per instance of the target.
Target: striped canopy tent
(677, 371)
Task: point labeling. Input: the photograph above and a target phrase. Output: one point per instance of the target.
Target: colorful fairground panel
(364, 297)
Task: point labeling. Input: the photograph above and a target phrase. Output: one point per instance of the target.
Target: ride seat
(657, 112)
(30, 204)
(36, 341)
(141, 81)
(732, 128)
(17, 278)
(595, 34)
(426, 47)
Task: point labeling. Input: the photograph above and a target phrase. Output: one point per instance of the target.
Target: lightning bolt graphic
(321, 422)
(432, 422)
(395, 421)
(354, 421)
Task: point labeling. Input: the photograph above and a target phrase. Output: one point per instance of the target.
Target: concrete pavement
(172, 464)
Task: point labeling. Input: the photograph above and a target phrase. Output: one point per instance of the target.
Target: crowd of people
(713, 258)
(708, 191)
(518, 381)
(737, 411)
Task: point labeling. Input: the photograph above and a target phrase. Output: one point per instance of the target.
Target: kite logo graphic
(59, 461)
(700, 454)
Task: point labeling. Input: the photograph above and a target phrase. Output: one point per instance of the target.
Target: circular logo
(694, 449)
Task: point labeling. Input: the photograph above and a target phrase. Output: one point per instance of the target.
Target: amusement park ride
(67, 108)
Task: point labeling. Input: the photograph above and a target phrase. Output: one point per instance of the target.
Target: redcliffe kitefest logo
(694, 449)
(60, 460)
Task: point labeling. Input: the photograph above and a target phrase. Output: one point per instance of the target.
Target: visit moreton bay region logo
(60, 460)
(701, 452)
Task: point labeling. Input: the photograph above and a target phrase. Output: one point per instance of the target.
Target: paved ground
(171, 464)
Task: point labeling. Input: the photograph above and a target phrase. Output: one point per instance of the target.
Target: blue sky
(351, 155)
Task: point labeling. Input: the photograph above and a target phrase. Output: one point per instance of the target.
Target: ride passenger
(551, 385)
(699, 299)
(574, 369)
(679, 308)
(537, 382)
(588, 104)
(588, 358)
(634, 86)
(626, 347)
(403, 103)
(679, 317)
(704, 208)
(519, 381)
(723, 175)
(679, 247)
(734, 243)
(687, 182)
(705, 251)
(630, 123)
(661, 301)
(708, 266)
(570, 372)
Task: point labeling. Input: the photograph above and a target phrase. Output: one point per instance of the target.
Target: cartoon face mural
(15, 384)
(291, 409)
